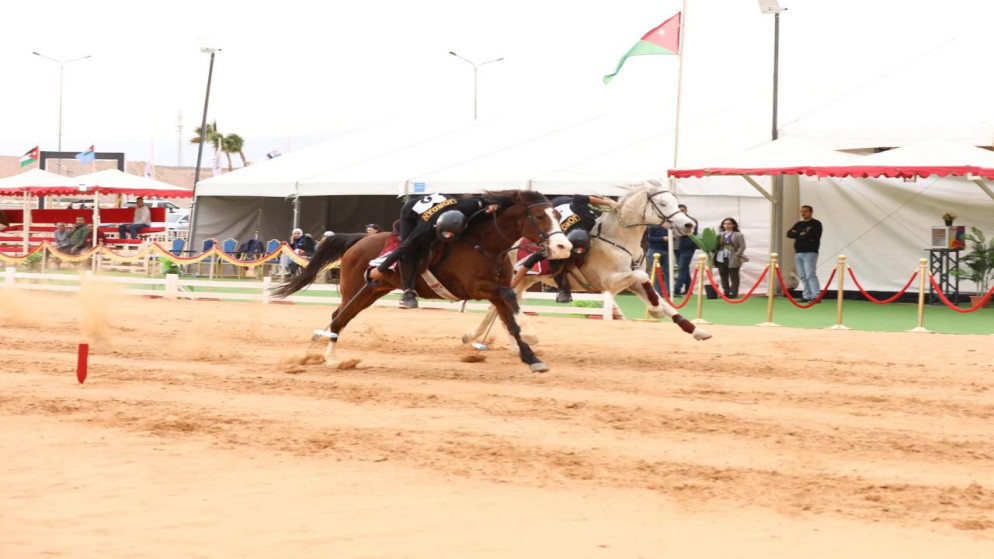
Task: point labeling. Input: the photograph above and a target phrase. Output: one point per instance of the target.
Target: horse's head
(651, 203)
(535, 220)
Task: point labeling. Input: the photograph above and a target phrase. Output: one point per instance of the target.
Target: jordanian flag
(664, 39)
(87, 156)
(29, 156)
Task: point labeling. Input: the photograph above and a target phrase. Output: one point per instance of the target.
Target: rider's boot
(409, 300)
(564, 295)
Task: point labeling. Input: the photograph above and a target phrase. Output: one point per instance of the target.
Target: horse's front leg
(506, 303)
(658, 307)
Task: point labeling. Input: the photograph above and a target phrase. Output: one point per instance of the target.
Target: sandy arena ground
(199, 434)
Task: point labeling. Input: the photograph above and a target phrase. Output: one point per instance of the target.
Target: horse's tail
(328, 250)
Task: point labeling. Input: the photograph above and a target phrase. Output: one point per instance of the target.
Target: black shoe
(564, 296)
(409, 300)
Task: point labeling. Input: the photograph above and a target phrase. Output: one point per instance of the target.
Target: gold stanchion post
(652, 280)
(921, 297)
(700, 290)
(840, 269)
(771, 291)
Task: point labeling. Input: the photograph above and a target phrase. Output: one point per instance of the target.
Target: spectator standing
(807, 240)
(372, 229)
(684, 254)
(730, 256)
(141, 221)
(658, 243)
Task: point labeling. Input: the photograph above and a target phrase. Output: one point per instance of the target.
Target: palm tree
(212, 136)
(233, 143)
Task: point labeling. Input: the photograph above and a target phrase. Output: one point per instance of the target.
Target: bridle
(637, 262)
(655, 208)
(544, 245)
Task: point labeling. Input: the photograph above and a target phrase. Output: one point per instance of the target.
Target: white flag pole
(671, 256)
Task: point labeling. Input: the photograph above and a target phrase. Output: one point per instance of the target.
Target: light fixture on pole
(776, 234)
(475, 68)
(62, 65)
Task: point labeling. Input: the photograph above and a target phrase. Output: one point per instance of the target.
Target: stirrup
(368, 279)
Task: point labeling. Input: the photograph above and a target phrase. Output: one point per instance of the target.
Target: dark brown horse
(473, 267)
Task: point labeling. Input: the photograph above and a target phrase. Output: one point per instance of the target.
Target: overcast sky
(304, 70)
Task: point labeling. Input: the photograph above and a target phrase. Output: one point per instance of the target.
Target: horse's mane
(507, 198)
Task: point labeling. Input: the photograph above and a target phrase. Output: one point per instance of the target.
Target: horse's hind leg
(507, 307)
(344, 314)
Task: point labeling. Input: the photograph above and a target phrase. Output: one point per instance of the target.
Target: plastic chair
(274, 264)
(229, 246)
(177, 249)
(208, 244)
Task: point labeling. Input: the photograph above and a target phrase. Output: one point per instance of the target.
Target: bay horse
(615, 260)
(473, 267)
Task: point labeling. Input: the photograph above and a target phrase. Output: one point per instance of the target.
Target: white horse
(615, 260)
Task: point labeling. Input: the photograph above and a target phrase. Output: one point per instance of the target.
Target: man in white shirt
(142, 220)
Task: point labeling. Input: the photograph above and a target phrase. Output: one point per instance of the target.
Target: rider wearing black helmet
(576, 219)
(418, 220)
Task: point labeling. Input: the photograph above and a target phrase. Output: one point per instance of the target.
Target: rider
(576, 219)
(418, 220)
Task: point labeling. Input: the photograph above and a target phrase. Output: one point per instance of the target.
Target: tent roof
(113, 181)
(34, 179)
(936, 157)
(43, 183)
(555, 154)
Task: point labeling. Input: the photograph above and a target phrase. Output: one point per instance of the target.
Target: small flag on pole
(87, 156)
(216, 171)
(663, 39)
(149, 166)
(30, 156)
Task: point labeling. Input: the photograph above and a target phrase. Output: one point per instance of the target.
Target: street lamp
(62, 65)
(776, 235)
(203, 122)
(475, 67)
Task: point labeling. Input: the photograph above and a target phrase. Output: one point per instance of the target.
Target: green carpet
(858, 315)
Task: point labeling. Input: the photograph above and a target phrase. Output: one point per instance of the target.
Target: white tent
(357, 178)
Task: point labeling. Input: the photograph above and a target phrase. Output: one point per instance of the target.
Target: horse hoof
(467, 337)
(539, 367)
(700, 334)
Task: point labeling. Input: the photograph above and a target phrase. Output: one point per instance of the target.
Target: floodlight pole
(475, 68)
(203, 121)
(62, 67)
(200, 147)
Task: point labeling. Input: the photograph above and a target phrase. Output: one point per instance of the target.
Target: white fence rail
(173, 287)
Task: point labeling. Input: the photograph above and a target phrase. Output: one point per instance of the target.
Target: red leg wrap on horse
(651, 294)
(684, 324)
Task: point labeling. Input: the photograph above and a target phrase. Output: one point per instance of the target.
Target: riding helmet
(450, 225)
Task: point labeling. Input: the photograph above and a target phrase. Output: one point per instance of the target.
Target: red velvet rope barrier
(744, 297)
(884, 301)
(665, 293)
(951, 305)
(786, 291)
